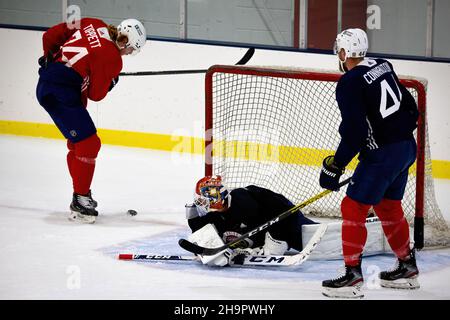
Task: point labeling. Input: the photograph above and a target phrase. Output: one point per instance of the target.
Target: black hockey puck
(131, 212)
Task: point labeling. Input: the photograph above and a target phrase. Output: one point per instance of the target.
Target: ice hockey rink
(46, 256)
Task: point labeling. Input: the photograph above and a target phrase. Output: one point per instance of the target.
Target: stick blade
(191, 247)
(247, 56)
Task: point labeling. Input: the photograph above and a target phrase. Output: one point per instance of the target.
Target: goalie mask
(211, 195)
(355, 45)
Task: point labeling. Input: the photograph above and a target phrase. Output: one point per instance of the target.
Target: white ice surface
(45, 256)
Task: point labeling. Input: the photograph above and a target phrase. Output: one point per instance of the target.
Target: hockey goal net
(272, 127)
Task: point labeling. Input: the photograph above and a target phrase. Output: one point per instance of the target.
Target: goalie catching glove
(330, 174)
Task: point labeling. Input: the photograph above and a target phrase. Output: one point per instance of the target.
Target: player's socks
(395, 226)
(82, 163)
(354, 232)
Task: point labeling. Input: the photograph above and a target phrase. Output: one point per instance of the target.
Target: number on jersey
(385, 90)
(80, 51)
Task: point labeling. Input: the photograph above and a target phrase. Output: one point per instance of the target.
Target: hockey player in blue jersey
(379, 116)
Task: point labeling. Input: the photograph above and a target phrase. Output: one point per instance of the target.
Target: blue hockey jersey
(376, 109)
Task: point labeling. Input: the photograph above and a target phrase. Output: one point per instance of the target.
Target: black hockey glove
(113, 83)
(45, 60)
(330, 174)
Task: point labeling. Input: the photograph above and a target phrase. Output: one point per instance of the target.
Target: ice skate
(403, 276)
(83, 208)
(93, 202)
(346, 286)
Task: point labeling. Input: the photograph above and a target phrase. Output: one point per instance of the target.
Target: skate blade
(404, 284)
(353, 292)
(81, 218)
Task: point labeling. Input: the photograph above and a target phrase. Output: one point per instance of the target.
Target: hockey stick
(239, 260)
(156, 257)
(196, 249)
(247, 56)
(250, 260)
(244, 260)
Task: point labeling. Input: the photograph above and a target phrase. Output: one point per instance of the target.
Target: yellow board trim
(193, 145)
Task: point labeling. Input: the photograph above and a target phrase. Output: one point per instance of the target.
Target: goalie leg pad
(208, 237)
(273, 246)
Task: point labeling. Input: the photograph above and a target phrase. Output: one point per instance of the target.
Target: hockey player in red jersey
(379, 116)
(81, 64)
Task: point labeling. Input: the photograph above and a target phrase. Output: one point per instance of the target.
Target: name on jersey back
(374, 73)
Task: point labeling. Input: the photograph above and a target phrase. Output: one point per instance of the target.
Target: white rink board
(175, 104)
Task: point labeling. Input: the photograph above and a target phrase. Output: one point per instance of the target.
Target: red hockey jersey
(89, 51)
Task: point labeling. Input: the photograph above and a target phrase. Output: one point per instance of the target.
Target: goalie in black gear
(219, 216)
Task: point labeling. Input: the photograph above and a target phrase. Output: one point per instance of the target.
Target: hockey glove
(113, 83)
(45, 60)
(330, 174)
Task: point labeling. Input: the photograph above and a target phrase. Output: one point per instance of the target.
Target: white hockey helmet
(354, 42)
(135, 32)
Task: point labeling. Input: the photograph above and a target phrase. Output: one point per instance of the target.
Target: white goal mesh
(272, 127)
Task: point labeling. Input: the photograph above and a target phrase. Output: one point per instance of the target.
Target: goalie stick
(196, 249)
(293, 260)
(247, 56)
